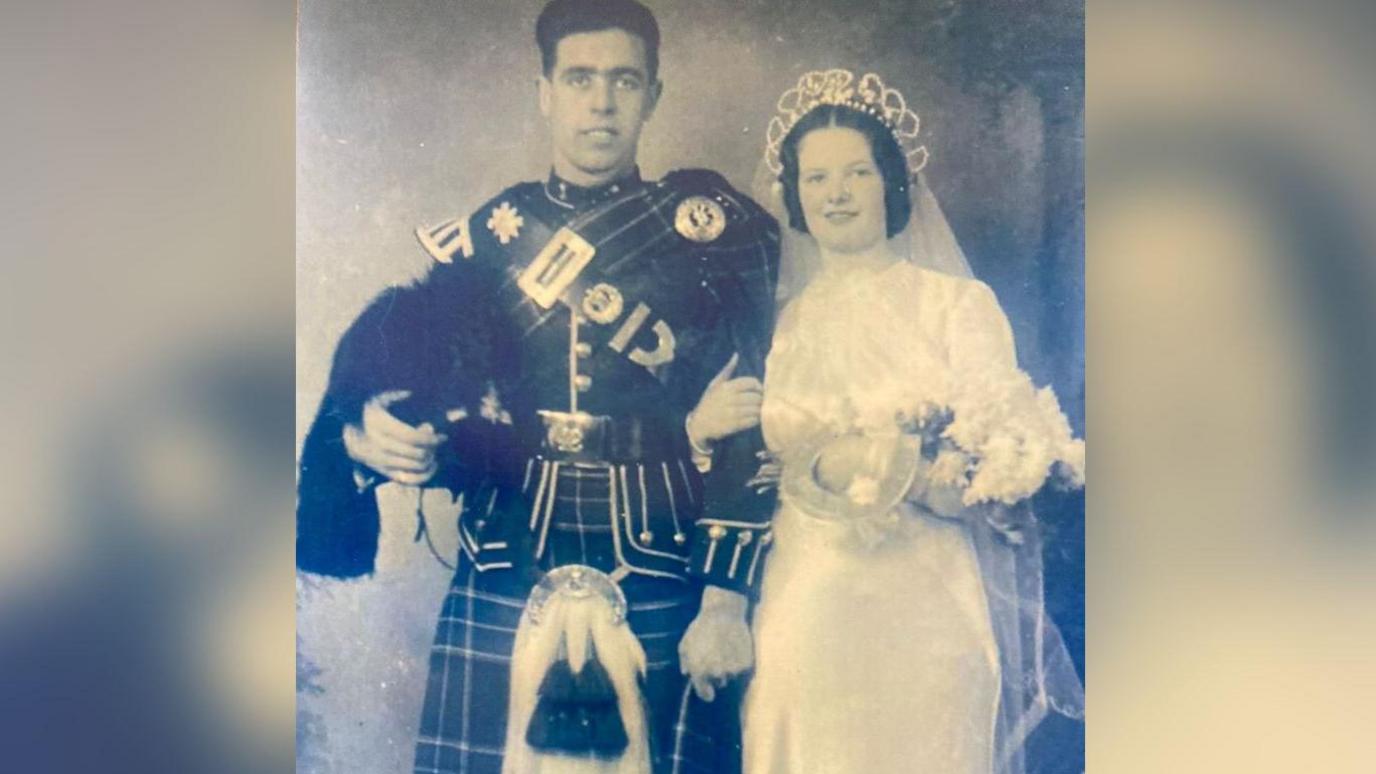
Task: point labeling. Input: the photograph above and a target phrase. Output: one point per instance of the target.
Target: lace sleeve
(979, 335)
(1014, 433)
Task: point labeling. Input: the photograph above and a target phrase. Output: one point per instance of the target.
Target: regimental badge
(700, 219)
(602, 303)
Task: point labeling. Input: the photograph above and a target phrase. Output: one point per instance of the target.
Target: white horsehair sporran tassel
(576, 613)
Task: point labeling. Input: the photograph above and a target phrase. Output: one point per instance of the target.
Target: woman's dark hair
(562, 18)
(888, 156)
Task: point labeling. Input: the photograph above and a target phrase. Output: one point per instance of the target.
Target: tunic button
(582, 382)
(716, 532)
(680, 538)
(647, 537)
(583, 349)
(744, 537)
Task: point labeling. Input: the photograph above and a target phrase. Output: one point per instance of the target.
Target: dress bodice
(858, 348)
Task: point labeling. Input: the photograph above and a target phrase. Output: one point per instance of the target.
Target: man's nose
(603, 100)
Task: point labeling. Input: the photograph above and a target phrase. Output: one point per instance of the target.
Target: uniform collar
(566, 194)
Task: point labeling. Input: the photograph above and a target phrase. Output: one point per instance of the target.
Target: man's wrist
(702, 457)
(700, 447)
(719, 599)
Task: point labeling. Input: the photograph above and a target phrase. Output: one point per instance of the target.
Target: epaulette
(447, 240)
(706, 182)
(454, 238)
(707, 196)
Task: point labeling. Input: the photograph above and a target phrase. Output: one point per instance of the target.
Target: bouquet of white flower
(997, 438)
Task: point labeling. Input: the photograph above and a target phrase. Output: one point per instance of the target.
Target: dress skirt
(871, 660)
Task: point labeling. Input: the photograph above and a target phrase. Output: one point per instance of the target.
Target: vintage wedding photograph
(690, 387)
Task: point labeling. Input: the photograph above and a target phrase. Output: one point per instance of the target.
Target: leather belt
(576, 436)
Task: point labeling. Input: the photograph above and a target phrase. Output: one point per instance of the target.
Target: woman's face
(841, 190)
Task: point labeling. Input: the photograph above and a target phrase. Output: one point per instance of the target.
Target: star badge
(505, 222)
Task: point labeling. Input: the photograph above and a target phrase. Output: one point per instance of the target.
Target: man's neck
(584, 179)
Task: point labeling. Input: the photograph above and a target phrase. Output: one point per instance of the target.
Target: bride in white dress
(899, 626)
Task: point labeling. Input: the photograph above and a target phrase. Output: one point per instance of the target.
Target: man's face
(597, 97)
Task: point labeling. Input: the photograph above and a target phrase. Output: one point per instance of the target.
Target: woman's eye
(579, 80)
(863, 172)
(812, 179)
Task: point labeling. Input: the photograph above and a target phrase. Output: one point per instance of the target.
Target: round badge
(602, 303)
(700, 219)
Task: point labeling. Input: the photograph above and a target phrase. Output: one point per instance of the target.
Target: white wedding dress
(873, 658)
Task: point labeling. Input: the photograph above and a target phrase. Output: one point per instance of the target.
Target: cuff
(702, 458)
(365, 479)
(730, 554)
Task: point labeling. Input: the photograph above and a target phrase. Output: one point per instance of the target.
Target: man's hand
(388, 445)
(717, 645)
(727, 406)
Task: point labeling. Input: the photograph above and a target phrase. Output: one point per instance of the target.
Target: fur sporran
(576, 703)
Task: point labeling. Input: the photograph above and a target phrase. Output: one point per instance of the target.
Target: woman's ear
(776, 195)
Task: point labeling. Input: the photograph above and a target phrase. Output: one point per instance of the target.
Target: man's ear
(542, 87)
(652, 99)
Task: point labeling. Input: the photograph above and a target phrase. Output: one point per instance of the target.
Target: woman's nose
(840, 191)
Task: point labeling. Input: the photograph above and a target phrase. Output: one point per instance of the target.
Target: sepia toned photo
(690, 387)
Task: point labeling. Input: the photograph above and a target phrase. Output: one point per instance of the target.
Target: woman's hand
(727, 406)
(942, 500)
(850, 456)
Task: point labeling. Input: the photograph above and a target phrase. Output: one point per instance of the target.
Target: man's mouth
(601, 133)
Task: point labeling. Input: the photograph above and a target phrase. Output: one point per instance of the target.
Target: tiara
(834, 87)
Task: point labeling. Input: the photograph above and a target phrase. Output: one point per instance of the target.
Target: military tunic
(565, 419)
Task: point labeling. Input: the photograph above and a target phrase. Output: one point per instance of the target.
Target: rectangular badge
(556, 267)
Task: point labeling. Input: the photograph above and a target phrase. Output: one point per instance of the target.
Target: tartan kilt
(463, 721)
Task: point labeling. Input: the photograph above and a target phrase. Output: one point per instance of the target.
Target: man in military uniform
(566, 368)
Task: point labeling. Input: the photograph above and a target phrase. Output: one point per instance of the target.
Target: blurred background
(150, 152)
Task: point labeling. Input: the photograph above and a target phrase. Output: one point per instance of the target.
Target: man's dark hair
(888, 156)
(562, 18)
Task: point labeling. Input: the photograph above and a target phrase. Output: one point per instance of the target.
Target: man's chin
(602, 168)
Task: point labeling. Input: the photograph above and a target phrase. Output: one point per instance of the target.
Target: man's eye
(579, 80)
(628, 83)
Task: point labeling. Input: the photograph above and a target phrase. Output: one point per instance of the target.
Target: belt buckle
(575, 435)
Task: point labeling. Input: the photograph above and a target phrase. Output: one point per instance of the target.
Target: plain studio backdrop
(413, 112)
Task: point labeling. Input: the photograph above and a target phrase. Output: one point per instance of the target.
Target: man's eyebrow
(612, 72)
